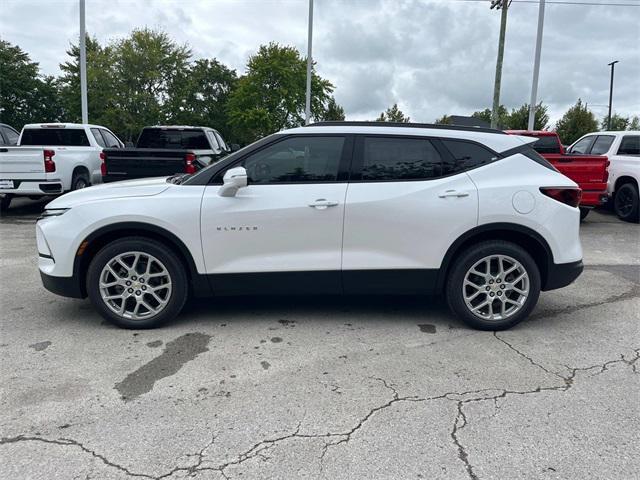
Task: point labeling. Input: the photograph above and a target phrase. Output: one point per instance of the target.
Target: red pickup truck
(588, 171)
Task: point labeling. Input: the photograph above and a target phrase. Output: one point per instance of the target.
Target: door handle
(452, 193)
(322, 203)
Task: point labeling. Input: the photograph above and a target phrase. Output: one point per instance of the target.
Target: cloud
(432, 57)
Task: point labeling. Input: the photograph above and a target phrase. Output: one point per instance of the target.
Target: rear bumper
(593, 198)
(64, 286)
(562, 274)
(33, 187)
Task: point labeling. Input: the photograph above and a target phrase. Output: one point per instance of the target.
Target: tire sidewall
(633, 215)
(161, 252)
(467, 259)
(77, 178)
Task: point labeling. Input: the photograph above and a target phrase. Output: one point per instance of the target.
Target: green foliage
(518, 119)
(25, 96)
(635, 123)
(271, 95)
(443, 120)
(485, 115)
(620, 123)
(576, 122)
(393, 114)
(333, 111)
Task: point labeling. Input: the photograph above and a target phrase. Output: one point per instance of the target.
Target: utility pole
(307, 108)
(612, 65)
(536, 68)
(504, 5)
(83, 66)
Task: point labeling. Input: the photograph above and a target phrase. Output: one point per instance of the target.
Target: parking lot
(384, 387)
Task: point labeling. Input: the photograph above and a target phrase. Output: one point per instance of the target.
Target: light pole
(307, 107)
(83, 66)
(612, 65)
(536, 68)
(504, 5)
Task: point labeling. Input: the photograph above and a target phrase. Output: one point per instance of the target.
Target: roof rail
(406, 125)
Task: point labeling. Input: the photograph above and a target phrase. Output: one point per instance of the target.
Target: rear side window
(630, 145)
(602, 144)
(465, 155)
(583, 146)
(178, 139)
(110, 139)
(399, 159)
(10, 136)
(55, 137)
(220, 141)
(98, 136)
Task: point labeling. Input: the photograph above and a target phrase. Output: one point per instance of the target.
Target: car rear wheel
(626, 203)
(80, 181)
(493, 285)
(137, 283)
(5, 202)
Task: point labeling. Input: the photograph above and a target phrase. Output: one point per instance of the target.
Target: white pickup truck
(623, 150)
(53, 158)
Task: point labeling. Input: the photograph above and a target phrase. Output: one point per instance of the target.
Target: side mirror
(234, 147)
(234, 179)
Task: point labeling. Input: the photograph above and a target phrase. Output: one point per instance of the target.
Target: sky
(431, 57)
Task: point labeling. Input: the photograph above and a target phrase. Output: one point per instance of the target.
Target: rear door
(408, 200)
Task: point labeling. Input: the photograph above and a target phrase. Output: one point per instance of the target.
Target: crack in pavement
(526, 357)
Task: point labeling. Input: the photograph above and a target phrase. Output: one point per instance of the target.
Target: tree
(393, 114)
(485, 116)
(635, 123)
(618, 123)
(443, 120)
(271, 95)
(576, 122)
(518, 119)
(198, 95)
(25, 95)
(333, 111)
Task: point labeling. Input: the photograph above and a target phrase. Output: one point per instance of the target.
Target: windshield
(176, 139)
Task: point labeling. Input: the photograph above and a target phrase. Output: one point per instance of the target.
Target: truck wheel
(493, 285)
(626, 203)
(5, 202)
(137, 283)
(584, 212)
(80, 180)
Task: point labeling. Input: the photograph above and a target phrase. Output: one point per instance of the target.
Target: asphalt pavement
(323, 388)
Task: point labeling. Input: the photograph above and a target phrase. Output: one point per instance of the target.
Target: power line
(561, 2)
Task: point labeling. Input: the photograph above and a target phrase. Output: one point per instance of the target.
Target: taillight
(606, 171)
(103, 164)
(569, 196)
(189, 167)
(49, 164)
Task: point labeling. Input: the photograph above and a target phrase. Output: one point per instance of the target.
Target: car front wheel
(493, 285)
(137, 283)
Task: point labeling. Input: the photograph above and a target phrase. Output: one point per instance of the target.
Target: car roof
(537, 133)
(616, 132)
(494, 139)
(61, 125)
(193, 127)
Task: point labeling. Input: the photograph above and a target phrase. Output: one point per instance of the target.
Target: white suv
(336, 207)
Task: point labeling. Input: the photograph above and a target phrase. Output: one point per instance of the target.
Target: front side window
(583, 146)
(110, 139)
(55, 137)
(310, 159)
(630, 145)
(388, 159)
(465, 155)
(602, 144)
(98, 136)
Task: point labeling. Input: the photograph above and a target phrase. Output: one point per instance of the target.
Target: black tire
(80, 180)
(163, 254)
(464, 262)
(5, 202)
(583, 213)
(626, 203)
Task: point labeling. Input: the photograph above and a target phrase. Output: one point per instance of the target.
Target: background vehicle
(336, 207)
(165, 150)
(8, 135)
(588, 171)
(53, 158)
(623, 150)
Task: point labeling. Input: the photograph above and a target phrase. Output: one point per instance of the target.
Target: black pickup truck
(162, 151)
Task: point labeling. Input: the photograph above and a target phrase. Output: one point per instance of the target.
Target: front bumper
(64, 286)
(562, 274)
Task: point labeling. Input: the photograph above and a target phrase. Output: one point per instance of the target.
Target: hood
(129, 188)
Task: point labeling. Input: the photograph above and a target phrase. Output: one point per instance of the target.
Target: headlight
(52, 212)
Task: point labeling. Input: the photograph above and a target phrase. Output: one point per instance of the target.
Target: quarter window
(300, 159)
(388, 159)
(630, 145)
(465, 155)
(602, 144)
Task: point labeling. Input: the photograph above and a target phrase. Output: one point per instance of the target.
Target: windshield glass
(55, 137)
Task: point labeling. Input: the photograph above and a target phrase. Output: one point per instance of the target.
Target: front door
(283, 232)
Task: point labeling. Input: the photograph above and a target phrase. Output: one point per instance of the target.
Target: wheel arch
(523, 236)
(101, 237)
(624, 179)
